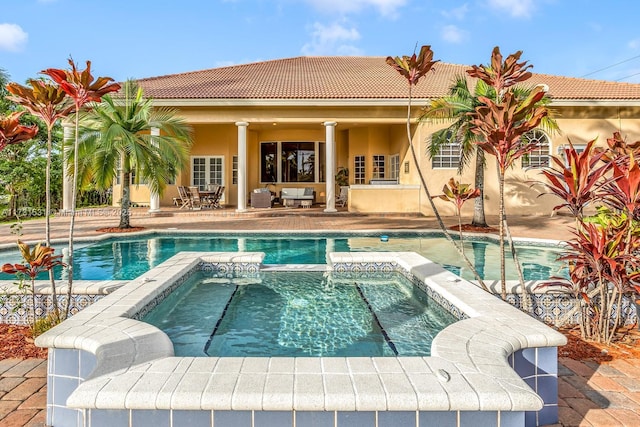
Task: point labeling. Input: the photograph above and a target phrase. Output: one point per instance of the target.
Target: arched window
(539, 157)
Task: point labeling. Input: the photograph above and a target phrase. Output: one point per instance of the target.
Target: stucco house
(292, 123)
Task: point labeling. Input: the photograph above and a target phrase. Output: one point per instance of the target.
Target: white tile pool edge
(135, 367)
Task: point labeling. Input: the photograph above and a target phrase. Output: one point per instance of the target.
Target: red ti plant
(413, 68)
(619, 150)
(12, 132)
(578, 179)
(458, 194)
(37, 260)
(50, 103)
(82, 88)
(501, 123)
(603, 257)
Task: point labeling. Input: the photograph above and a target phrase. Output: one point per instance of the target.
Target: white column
(67, 181)
(330, 130)
(242, 166)
(154, 198)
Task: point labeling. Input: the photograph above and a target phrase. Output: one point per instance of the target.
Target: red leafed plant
(36, 260)
(501, 122)
(12, 132)
(413, 68)
(577, 179)
(458, 194)
(603, 257)
(82, 88)
(50, 103)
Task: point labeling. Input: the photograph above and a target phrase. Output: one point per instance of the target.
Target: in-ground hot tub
(496, 366)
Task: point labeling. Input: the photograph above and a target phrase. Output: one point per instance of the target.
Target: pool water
(127, 258)
(300, 313)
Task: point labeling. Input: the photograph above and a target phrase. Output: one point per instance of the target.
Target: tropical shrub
(37, 260)
(603, 258)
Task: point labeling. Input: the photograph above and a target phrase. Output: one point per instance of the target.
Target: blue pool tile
(356, 419)
(87, 364)
(66, 417)
(396, 418)
(548, 389)
(525, 362)
(314, 419)
(191, 418)
(548, 415)
(273, 419)
(511, 419)
(150, 418)
(547, 360)
(437, 419)
(108, 417)
(530, 419)
(66, 362)
(62, 389)
(478, 418)
(232, 418)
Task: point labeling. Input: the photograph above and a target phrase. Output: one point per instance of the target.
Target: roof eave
(596, 103)
(260, 102)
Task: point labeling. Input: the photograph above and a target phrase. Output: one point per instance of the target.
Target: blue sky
(145, 38)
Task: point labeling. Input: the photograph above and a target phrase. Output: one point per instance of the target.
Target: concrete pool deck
(590, 394)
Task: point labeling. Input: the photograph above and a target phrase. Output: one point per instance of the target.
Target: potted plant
(342, 177)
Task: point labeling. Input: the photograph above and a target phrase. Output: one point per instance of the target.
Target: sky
(146, 38)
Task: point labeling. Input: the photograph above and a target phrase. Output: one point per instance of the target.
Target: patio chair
(343, 197)
(215, 199)
(185, 199)
(198, 202)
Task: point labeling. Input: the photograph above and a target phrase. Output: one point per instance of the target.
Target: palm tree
(116, 134)
(459, 107)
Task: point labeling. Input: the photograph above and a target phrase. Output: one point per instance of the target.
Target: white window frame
(318, 172)
(448, 157)
(234, 170)
(394, 166)
(541, 156)
(208, 171)
(379, 166)
(359, 169)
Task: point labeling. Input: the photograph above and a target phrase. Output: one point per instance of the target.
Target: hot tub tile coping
(117, 355)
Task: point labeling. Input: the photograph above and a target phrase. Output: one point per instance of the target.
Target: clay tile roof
(335, 78)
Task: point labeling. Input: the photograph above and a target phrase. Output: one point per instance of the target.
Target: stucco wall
(371, 131)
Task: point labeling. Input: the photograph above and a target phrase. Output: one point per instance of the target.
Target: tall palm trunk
(479, 219)
(126, 201)
(72, 223)
(503, 281)
(47, 184)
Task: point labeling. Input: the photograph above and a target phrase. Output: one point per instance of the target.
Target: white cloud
(453, 34)
(634, 44)
(384, 7)
(332, 39)
(12, 37)
(515, 8)
(458, 13)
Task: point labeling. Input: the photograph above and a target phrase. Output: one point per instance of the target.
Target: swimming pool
(125, 258)
(300, 314)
